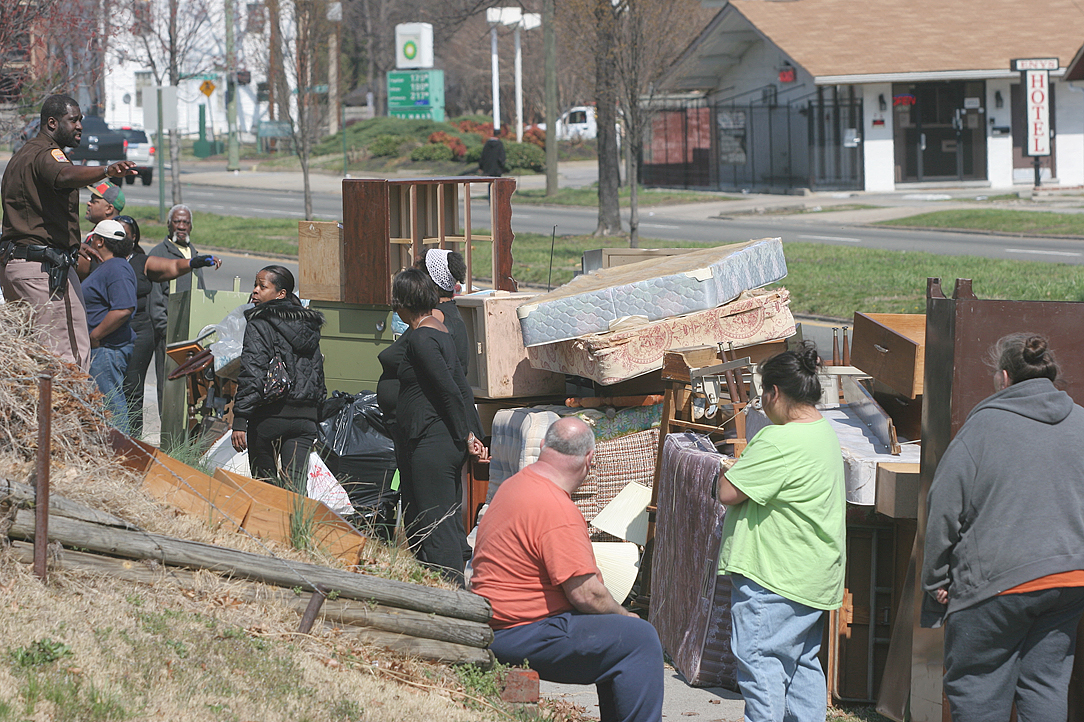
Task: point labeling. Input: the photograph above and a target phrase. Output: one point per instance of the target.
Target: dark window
(577, 117)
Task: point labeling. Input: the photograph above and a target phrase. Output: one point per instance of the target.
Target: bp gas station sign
(416, 94)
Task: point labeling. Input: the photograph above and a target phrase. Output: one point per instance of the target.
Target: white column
(878, 147)
(496, 79)
(519, 87)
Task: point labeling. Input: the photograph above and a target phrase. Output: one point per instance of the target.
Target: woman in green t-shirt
(783, 544)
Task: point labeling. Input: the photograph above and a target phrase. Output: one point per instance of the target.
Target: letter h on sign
(1036, 85)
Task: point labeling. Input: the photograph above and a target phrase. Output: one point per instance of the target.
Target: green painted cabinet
(351, 339)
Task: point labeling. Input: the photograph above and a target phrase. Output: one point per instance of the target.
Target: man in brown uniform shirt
(40, 229)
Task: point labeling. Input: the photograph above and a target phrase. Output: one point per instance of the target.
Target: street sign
(207, 87)
(415, 88)
(274, 129)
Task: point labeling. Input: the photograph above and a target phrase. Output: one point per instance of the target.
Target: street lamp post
(518, 20)
(528, 21)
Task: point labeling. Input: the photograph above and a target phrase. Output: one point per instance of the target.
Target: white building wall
(878, 148)
(123, 64)
(999, 147)
(1069, 125)
(759, 67)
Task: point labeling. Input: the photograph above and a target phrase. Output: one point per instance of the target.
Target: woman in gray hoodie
(1005, 543)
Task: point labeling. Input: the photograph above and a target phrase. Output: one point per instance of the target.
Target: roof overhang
(924, 77)
(718, 48)
(1075, 69)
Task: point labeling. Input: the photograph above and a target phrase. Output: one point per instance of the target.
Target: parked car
(100, 145)
(141, 151)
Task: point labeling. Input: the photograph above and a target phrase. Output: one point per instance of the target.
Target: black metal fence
(812, 142)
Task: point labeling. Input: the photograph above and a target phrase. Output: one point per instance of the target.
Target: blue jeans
(776, 642)
(107, 366)
(620, 655)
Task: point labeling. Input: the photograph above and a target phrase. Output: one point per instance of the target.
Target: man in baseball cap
(106, 201)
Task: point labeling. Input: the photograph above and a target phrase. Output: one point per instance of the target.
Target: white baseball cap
(110, 228)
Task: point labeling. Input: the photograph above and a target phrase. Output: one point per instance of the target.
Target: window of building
(143, 79)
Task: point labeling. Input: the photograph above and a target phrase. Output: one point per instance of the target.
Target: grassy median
(995, 220)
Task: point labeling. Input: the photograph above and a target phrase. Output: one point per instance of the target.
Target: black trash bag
(357, 448)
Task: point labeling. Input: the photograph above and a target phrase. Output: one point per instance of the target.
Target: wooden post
(467, 253)
(41, 499)
(319, 594)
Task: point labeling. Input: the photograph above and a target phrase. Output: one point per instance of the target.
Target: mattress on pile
(754, 317)
(862, 452)
(656, 288)
(690, 601)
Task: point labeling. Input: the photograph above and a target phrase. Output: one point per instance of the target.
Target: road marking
(832, 238)
(1042, 253)
(659, 225)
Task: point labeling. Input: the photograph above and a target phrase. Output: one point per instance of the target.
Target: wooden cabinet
(389, 223)
(499, 367)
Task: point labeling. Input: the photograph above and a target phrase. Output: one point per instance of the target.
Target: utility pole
(233, 158)
(334, 15)
(549, 42)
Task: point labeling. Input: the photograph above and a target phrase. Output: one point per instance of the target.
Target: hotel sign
(1035, 80)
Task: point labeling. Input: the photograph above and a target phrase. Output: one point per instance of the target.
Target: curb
(971, 231)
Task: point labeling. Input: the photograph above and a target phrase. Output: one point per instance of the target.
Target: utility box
(190, 311)
(350, 341)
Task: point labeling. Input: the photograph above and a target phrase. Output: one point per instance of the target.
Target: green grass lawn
(589, 196)
(210, 230)
(996, 220)
(823, 280)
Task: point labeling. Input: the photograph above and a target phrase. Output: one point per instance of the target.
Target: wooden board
(897, 490)
(320, 260)
(179, 485)
(273, 507)
(890, 347)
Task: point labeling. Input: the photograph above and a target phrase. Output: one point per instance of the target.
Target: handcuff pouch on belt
(53, 262)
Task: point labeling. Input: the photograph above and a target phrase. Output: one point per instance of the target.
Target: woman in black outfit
(279, 434)
(447, 268)
(438, 425)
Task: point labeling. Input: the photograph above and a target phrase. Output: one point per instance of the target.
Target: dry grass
(86, 647)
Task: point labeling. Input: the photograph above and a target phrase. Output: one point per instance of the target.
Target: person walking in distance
(39, 234)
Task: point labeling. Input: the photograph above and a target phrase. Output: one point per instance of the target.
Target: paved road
(693, 224)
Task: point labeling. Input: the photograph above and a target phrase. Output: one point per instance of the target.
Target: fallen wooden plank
(424, 648)
(60, 506)
(340, 611)
(270, 570)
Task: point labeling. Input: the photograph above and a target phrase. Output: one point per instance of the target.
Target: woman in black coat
(279, 434)
(439, 426)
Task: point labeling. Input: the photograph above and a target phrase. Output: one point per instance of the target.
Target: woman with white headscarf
(447, 268)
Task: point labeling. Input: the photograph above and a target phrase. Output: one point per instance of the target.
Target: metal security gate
(811, 142)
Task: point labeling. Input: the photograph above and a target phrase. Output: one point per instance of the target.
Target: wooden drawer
(890, 347)
(499, 368)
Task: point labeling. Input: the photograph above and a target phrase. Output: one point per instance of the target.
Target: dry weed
(202, 651)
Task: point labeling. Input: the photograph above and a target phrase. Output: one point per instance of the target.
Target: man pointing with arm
(39, 236)
(534, 563)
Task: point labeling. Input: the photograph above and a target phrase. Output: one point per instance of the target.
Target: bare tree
(37, 61)
(170, 37)
(649, 34)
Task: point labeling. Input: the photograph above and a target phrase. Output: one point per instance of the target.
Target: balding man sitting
(533, 561)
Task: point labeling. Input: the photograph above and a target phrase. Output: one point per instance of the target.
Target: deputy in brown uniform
(39, 235)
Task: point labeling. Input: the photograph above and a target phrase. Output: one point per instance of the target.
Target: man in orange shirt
(533, 561)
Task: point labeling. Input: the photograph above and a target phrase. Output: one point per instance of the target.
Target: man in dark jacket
(493, 161)
(178, 244)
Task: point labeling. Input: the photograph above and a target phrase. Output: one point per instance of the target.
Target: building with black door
(776, 95)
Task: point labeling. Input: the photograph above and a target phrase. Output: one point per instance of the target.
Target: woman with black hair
(1004, 552)
(784, 543)
(439, 426)
(279, 432)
